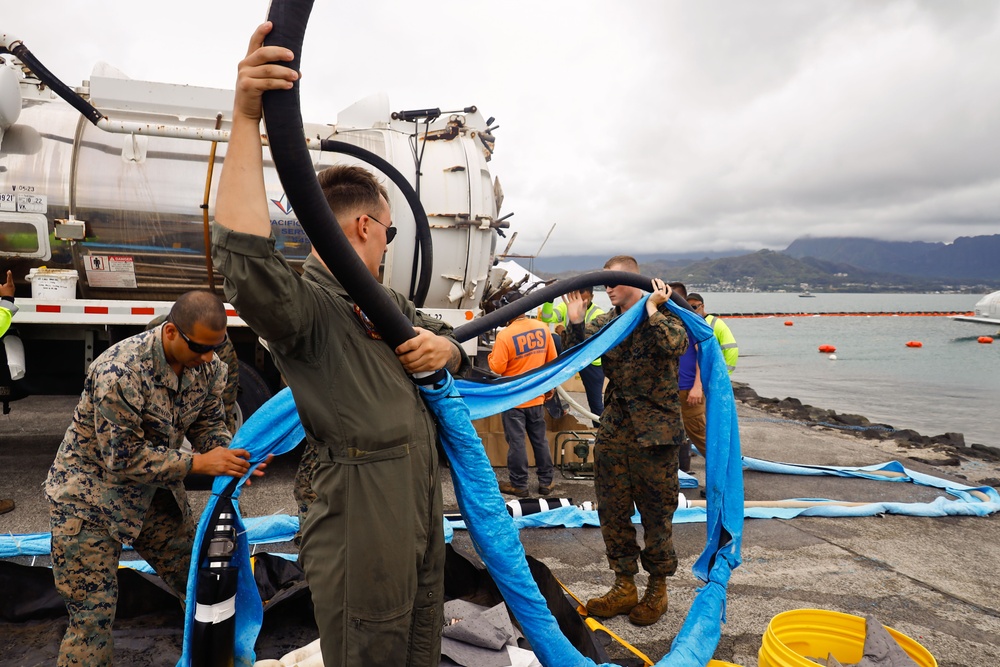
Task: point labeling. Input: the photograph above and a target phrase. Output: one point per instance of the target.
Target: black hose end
(435, 379)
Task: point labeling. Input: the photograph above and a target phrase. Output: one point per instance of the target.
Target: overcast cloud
(636, 126)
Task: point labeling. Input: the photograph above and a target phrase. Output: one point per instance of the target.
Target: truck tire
(253, 392)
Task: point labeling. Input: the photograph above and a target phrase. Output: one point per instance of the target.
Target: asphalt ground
(933, 579)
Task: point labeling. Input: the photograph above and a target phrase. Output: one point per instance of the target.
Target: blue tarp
(275, 429)
(495, 535)
(493, 397)
(969, 501)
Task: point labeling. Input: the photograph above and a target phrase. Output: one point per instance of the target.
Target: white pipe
(181, 132)
(576, 406)
(8, 41)
(15, 356)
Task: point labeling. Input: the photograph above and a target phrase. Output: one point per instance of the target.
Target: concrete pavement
(931, 578)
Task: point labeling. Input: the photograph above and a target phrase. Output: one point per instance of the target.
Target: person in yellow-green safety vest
(7, 310)
(593, 375)
(7, 307)
(730, 350)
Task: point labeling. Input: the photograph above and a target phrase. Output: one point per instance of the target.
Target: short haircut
(679, 288)
(589, 290)
(348, 188)
(627, 262)
(198, 307)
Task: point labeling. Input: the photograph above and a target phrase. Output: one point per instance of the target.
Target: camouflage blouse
(642, 373)
(126, 433)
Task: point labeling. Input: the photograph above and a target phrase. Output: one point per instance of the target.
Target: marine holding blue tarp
(635, 453)
(373, 540)
(118, 477)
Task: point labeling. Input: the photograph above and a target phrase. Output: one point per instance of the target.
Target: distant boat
(987, 311)
(807, 293)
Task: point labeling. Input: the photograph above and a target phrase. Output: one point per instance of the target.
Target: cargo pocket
(381, 558)
(65, 555)
(68, 527)
(378, 639)
(425, 641)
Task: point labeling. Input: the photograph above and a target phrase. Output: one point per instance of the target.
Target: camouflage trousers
(302, 489)
(85, 566)
(626, 473)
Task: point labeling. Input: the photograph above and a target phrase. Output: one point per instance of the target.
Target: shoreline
(947, 450)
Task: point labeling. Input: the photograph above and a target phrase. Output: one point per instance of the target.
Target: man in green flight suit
(373, 540)
(635, 453)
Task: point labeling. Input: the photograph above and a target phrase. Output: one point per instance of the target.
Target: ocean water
(951, 384)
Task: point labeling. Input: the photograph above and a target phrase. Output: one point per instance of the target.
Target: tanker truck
(107, 190)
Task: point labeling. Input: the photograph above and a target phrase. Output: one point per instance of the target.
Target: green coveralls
(373, 541)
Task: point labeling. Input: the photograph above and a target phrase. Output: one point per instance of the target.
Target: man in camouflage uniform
(635, 455)
(118, 477)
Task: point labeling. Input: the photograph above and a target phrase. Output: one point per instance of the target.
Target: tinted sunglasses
(199, 348)
(610, 286)
(390, 232)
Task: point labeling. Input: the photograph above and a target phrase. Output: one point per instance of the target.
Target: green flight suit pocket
(357, 456)
(378, 639)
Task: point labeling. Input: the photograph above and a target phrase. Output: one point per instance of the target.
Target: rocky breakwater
(950, 451)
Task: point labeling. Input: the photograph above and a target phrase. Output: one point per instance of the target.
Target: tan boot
(619, 600)
(653, 604)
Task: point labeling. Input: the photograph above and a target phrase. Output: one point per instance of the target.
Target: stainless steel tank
(141, 197)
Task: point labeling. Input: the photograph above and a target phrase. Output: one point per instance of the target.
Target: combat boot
(619, 600)
(653, 604)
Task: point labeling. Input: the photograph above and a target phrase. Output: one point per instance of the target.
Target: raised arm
(242, 201)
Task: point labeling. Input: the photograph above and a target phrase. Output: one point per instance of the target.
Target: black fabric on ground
(30, 593)
(149, 627)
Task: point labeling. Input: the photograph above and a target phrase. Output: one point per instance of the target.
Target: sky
(639, 126)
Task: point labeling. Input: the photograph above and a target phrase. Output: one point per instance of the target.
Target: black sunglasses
(199, 348)
(610, 286)
(390, 232)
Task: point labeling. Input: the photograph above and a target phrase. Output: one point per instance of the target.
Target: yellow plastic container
(817, 633)
(721, 663)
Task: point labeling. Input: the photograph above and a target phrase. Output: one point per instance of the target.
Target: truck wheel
(253, 392)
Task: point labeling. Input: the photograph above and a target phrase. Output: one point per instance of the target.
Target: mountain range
(825, 263)
(967, 258)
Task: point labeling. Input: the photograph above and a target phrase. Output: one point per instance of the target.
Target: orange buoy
(827, 348)
(789, 323)
(914, 343)
(985, 339)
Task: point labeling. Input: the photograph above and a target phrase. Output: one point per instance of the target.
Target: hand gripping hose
(501, 316)
(283, 117)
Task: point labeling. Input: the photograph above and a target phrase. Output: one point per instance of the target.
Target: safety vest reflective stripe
(730, 349)
(593, 312)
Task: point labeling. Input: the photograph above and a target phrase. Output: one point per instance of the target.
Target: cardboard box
(490, 429)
